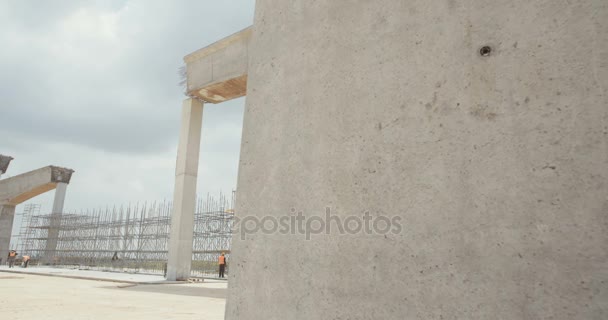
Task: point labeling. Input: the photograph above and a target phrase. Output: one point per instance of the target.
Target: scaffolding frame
(128, 238)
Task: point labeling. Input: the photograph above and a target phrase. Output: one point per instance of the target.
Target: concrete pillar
(55, 222)
(7, 214)
(184, 197)
(494, 160)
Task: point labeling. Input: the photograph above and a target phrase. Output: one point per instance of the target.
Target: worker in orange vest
(222, 262)
(11, 258)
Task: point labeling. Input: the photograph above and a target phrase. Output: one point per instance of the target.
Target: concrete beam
(218, 72)
(184, 197)
(23, 187)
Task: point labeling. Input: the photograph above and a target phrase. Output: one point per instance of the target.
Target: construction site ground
(29, 296)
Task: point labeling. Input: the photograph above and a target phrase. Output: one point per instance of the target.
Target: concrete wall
(497, 165)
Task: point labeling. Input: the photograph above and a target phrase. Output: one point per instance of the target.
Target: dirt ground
(25, 296)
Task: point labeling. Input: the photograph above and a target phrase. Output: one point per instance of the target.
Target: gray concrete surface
(184, 195)
(496, 164)
(123, 277)
(24, 296)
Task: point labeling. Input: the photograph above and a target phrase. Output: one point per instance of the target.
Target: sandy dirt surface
(24, 296)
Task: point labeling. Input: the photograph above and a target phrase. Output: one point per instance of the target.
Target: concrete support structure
(481, 125)
(20, 188)
(53, 233)
(4, 162)
(7, 215)
(184, 197)
(215, 74)
(218, 72)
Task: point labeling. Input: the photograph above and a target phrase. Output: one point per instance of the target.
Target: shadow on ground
(174, 290)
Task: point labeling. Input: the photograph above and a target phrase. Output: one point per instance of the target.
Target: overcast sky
(93, 86)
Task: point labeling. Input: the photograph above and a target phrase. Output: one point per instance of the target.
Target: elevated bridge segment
(214, 74)
(20, 188)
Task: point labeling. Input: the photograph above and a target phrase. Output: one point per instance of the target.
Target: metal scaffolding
(131, 238)
(24, 237)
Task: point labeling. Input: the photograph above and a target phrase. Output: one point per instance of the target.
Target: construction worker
(26, 261)
(12, 255)
(222, 262)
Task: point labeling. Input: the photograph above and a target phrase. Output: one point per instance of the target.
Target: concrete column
(7, 214)
(479, 127)
(55, 222)
(184, 197)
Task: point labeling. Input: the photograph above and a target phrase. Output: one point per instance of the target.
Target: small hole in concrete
(485, 51)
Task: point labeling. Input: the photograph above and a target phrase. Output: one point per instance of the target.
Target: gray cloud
(104, 75)
(93, 85)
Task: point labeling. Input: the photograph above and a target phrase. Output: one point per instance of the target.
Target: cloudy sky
(93, 86)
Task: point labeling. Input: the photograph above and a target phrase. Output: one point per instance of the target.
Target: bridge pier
(55, 222)
(20, 188)
(7, 215)
(184, 198)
